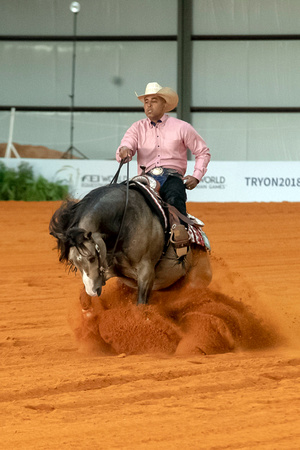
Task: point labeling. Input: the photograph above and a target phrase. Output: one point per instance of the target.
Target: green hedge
(20, 184)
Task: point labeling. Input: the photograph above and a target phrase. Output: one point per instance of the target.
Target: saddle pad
(153, 200)
(196, 234)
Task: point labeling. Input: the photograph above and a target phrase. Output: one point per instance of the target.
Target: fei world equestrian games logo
(212, 182)
(68, 175)
(94, 180)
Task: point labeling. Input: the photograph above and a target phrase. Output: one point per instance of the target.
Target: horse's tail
(60, 222)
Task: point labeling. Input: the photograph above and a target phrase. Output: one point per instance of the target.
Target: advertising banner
(248, 181)
(225, 181)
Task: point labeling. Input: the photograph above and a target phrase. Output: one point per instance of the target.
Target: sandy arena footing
(211, 370)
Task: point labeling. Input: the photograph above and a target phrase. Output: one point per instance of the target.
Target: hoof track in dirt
(181, 320)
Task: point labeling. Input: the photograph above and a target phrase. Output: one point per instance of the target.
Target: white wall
(261, 73)
(228, 181)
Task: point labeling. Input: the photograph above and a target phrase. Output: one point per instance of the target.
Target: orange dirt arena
(218, 369)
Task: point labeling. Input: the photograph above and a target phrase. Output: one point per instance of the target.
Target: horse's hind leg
(204, 268)
(145, 280)
(200, 273)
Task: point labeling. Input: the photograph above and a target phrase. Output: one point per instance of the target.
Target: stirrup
(180, 239)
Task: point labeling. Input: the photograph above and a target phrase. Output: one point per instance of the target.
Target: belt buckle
(157, 171)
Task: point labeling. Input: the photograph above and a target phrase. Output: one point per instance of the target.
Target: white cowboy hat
(166, 93)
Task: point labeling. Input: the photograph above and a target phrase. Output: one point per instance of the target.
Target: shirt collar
(161, 120)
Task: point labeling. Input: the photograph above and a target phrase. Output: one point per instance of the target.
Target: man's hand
(190, 182)
(125, 153)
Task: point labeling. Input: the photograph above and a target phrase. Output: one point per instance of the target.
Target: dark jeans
(173, 192)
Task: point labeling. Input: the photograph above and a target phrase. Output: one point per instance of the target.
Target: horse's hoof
(88, 313)
(142, 302)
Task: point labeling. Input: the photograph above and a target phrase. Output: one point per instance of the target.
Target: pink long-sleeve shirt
(165, 145)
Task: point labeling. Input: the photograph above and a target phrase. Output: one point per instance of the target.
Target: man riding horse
(161, 143)
(95, 235)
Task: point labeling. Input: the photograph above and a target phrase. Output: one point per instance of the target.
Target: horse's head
(88, 254)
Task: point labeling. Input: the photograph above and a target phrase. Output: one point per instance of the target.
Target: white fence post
(10, 146)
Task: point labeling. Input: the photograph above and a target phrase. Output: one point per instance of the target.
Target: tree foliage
(21, 184)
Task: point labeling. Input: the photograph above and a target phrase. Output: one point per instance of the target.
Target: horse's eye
(92, 259)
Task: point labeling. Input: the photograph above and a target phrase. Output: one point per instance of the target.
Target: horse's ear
(75, 236)
(88, 235)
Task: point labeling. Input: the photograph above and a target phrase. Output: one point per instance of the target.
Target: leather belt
(163, 170)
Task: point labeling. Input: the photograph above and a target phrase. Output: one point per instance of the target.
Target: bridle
(101, 269)
(109, 257)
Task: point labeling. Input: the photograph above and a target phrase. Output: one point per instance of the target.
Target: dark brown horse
(94, 236)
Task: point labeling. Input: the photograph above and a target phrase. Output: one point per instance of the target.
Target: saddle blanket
(196, 234)
(195, 231)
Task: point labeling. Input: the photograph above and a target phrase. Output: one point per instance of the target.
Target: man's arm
(128, 144)
(198, 147)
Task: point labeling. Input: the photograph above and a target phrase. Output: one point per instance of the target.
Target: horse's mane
(61, 221)
(67, 217)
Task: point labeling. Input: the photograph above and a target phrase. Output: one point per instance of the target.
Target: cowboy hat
(166, 93)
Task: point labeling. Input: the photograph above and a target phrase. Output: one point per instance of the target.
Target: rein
(116, 176)
(113, 181)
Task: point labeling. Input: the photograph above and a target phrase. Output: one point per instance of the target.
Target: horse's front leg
(145, 280)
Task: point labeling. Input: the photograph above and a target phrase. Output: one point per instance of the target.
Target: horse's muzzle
(98, 291)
